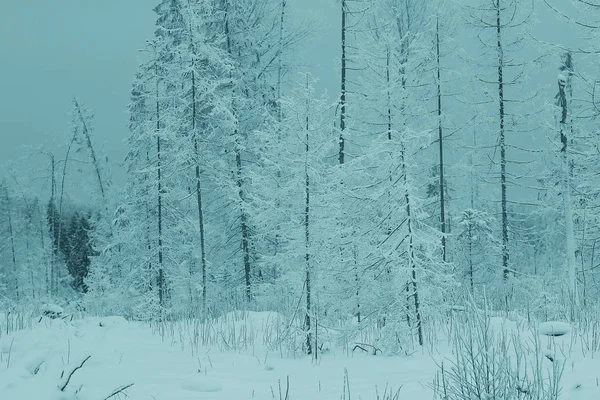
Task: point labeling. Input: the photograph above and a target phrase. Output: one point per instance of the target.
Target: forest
(455, 172)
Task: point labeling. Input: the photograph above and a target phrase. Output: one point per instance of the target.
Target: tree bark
(12, 243)
(307, 323)
(502, 141)
(198, 183)
(341, 155)
(240, 182)
(564, 86)
(441, 140)
(161, 278)
(86, 134)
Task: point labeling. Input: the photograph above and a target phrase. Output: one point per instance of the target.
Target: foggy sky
(52, 50)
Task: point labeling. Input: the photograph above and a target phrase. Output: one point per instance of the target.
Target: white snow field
(175, 365)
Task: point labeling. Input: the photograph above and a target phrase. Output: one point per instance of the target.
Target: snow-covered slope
(36, 363)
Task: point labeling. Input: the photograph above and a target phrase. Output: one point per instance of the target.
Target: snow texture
(554, 328)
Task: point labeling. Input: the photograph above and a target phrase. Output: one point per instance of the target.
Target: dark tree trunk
(240, 182)
(88, 139)
(471, 272)
(161, 277)
(341, 155)
(411, 255)
(198, 186)
(13, 251)
(307, 232)
(404, 52)
(502, 140)
(441, 140)
(53, 229)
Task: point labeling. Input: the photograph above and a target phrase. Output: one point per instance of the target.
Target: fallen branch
(62, 389)
(118, 390)
(363, 345)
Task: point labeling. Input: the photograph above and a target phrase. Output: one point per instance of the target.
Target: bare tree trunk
(440, 138)
(150, 276)
(502, 141)
(471, 272)
(279, 120)
(54, 249)
(198, 183)
(404, 53)
(12, 243)
(43, 246)
(161, 278)
(280, 60)
(201, 228)
(564, 86)
(244, 222)
(411, 252)
(240, 183)
(88, 139)
(60, 203)
(341, 155)
(307, 323)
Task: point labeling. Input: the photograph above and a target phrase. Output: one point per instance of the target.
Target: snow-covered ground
(36, 363)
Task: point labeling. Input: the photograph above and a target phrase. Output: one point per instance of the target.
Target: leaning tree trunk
(86, 133)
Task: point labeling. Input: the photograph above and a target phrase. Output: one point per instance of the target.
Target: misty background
(51, 51)
(54, 50)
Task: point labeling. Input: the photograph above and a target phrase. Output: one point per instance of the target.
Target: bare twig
(62, 389)
(118, 390)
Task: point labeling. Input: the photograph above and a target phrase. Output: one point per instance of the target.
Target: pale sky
(52, 50)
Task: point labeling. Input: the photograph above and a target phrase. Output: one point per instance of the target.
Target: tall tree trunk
(201, 228)
(12, 243)
(60, 203)
(404, 52)
(341, 155)
(411, 250)
(240, 181)
(198, 183)
(53, 233)
(280, 60)
(279, 121)
(471, 272)
(43, 246)
(244, 221)
(307, 323)
(441, 139)
(505, 250)
(564, 89)
(150, 276)
(88, 139)
(161, 277)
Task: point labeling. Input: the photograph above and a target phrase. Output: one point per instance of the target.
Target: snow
(554, 328)
(170, 367)
(196, 384)
(561, 78)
